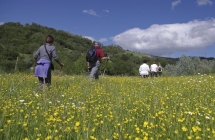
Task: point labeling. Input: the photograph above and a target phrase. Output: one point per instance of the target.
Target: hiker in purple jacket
(43, 65)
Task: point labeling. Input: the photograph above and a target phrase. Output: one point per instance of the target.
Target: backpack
(159, 68)
(91, 55)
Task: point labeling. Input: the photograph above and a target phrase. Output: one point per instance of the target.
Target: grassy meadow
(120, 108)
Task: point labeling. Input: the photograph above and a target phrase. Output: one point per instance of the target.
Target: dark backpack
(91, 55)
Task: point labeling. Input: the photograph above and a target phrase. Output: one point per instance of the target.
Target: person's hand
(32, 68)
(89, 68)
(61, 64)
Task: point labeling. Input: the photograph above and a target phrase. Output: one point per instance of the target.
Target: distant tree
(190, 66)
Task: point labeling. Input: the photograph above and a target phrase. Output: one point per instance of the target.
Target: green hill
(18, 43)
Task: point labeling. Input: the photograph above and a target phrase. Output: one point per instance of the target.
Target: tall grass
(173, 108)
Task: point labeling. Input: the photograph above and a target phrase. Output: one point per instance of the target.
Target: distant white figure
(154, 69)
(144, 69)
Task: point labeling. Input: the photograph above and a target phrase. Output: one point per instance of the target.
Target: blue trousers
(94, 70)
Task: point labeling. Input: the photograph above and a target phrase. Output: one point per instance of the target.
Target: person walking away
(144, 69)
(44, 64)
(154, 69)
(94, 65)
(160, 69)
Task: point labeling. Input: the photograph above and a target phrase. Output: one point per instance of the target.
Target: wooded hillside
(18, 43)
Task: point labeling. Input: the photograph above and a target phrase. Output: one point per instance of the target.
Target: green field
(164, 108)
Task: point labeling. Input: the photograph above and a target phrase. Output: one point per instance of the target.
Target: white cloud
(89, 37)
(166, 39)
(91, 12)
(103, 40)
(92, 39)
(107, 11)
(204, 2)
(1, 23)
(175, 3)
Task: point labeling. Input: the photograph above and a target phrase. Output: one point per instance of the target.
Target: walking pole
(105, 65)
(24, 79)
(105, 68)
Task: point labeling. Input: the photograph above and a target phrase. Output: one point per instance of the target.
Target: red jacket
(99, 52)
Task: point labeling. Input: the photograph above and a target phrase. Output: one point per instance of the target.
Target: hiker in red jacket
(94, 66)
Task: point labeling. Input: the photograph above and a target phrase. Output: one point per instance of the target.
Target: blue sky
(169, 28)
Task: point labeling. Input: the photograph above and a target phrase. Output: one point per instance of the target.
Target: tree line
(18, 43)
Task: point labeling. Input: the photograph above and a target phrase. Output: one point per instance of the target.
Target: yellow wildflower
(184, 129)
(77, 123)
(92, 138)
(176, 131)
(145, 124)
(67, 129)
(48, 138)
(25, 124)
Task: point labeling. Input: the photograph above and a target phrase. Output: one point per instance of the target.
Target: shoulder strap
(47, 52)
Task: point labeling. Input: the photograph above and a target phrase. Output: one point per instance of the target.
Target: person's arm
(107, 58)
(37, 53)
(60, 63)
(139, 69)
(54, 55)
(148, 69)
(101, 54)
(88, 65)
(35, 63)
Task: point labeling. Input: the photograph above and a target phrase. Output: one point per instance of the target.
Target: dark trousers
(144, 76)
(153, 74)
(160, 73)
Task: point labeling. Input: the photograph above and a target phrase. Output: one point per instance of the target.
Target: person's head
(49, 39)
(144, 61)
(97, 44)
